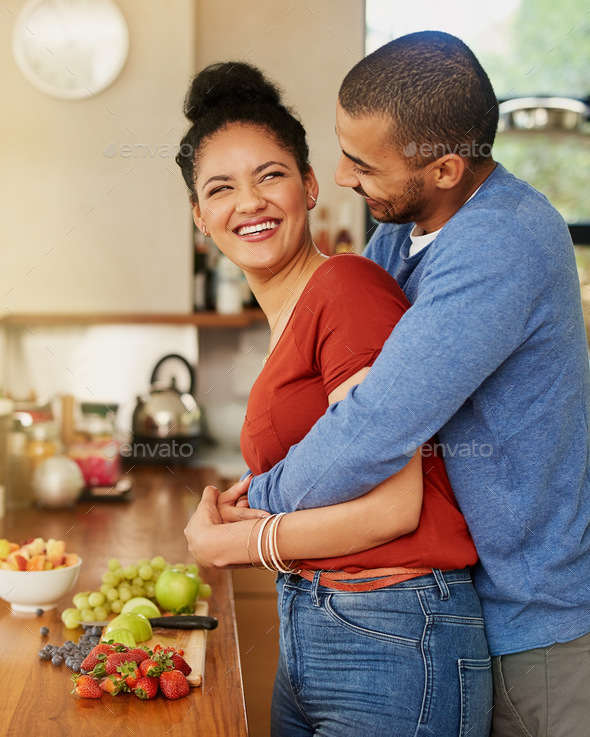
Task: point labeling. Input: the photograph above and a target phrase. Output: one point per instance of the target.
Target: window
(529, 48)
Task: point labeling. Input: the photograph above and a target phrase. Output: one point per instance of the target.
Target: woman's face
(253, 200)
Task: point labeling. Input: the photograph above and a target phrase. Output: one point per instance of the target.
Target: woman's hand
(202, 530)
(233, 503)
(214, 543)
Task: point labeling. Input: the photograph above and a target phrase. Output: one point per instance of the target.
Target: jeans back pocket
(476, 696)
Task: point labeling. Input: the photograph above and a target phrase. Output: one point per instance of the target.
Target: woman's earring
(204, 231)
(313, 198)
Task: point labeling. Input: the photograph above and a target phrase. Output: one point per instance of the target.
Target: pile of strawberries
(116, 669)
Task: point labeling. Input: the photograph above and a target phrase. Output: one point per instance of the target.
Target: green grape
(193, 568)
(130, 572)
(180, 567)
(111, 578)
(145, 572)
(116, 606)
(95, 599)
(112, 595)
(71, 618)
(125, 593)
(104, 588)
(114, 564)
(150, 589)
(204, 591)
(88, 615)
(137, 581)
(158, 563)
(78, 596)
(107, 607)
(82, 603)
(137, 590)
(100, 613)
(142, 562)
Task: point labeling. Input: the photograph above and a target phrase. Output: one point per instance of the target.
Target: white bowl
(27, 591)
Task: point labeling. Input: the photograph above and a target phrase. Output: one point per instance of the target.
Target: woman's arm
(390, 510)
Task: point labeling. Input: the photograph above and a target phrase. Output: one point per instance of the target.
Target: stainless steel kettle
(166, 422)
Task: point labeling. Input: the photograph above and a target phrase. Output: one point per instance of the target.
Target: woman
(374, 636)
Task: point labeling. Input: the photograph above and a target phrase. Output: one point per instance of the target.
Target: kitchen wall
(87, 228)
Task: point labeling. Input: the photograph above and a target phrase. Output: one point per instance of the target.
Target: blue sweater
(493, 356)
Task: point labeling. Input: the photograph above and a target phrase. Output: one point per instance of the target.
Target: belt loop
(315, 599)
(445, 594)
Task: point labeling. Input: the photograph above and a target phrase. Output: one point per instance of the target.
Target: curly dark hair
(236, 92)
(435, 92)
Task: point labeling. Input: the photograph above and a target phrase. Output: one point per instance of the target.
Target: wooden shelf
(198, 319)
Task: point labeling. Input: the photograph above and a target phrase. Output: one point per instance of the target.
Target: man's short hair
(435, 92)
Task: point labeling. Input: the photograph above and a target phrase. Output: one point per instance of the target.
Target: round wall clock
(71, 48)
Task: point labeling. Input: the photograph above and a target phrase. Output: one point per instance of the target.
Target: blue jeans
(409, 660)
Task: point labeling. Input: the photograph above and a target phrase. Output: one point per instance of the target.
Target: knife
(175, 622)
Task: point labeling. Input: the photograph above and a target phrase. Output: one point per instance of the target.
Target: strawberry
(174, 684)
(87, 687)
(91, 660)
(150, 667)
(113, 684)
(147, 687)
(180, 663)
(131, 674)
(114, 661)
(138, 654)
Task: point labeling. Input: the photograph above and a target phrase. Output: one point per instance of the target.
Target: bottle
(6, 409)
(201, 274)
(343, 242)
(228, 293)
(322, 232)
(18, 490)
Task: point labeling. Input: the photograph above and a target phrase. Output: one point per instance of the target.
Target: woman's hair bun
(227, 84)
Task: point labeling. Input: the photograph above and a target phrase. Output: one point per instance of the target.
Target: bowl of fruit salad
(36, 574)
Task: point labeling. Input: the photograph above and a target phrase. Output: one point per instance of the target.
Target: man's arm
(470, 315)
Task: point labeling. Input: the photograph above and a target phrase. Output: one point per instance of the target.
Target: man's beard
(404, 208)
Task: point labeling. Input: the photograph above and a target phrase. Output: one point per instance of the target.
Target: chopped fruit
(173, 684)
(87, 687)
(121, 636)
(35, 555)
(147, 687)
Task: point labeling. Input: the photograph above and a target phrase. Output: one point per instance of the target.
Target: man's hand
(233, 503)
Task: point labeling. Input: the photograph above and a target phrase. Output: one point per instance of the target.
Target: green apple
(176, 589)
(142, 605)
(137, 624)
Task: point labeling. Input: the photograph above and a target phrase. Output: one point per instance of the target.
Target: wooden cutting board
(193, 642)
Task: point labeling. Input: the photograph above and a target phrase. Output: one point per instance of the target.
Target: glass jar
(43, 441)
(98, 455)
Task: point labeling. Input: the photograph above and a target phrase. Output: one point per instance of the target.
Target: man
(492, 357)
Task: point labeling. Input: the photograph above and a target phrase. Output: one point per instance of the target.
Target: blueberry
(57, 660)
(39, 612)
(96, 631)
(44, 631)
(44, 655)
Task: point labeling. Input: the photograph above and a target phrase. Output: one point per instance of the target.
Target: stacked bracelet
(272, 561)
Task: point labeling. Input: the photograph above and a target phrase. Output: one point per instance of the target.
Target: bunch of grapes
(119, 584)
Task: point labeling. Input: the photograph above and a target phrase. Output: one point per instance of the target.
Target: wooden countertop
(36, 695)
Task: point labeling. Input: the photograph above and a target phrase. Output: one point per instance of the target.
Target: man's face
(373, 168)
